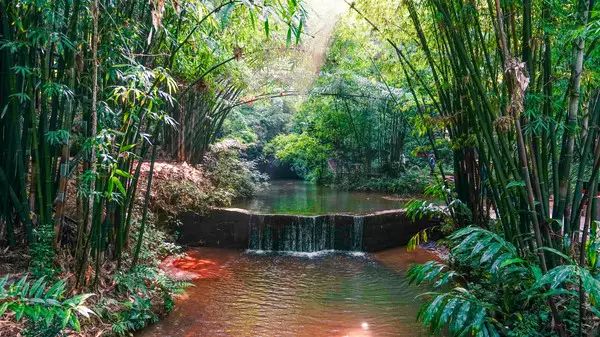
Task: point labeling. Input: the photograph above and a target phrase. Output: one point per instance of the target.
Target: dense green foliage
(47, 308)
(503, 294)
(505, 95)
(90, 91)
(356, 127)
(514, 85)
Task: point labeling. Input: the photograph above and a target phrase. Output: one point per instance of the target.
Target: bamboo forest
(299, 168)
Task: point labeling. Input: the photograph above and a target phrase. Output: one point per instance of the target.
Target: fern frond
(37, 302)
(482, 249)
(432, 272)
(562, 279)
(460, 312)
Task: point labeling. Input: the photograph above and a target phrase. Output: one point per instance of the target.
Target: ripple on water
(309, 255)
(326, 294)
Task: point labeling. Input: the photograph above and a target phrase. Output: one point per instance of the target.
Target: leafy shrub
(173, 197)
(307, 156)
(488, 289)
(137, 314)
(147, 291)
(411, 182)
(142, 293)
(42, 251)
(232, 175)
(47, 310)
(225, 175)
(452, 215)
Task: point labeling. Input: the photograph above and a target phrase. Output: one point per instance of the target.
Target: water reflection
(302, 198)
(280, 295)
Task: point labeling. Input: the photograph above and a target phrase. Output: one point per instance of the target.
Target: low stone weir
(237, 228)
(294, 234)
(306, 233)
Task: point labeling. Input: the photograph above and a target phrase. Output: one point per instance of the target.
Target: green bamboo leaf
(127, 147)
(123, 173)
(25, 289)
(499, 260)
(48, 317)
(119, 185)
(557, 252)
(111, 185)
(509, 262)
(298, 31)
(481, 244)
(267, 27)
(252, 18)
(479, 319)
(461, 316)
(515, 184)
(536, 271)
(559, 292)
(3, 307)
(490, 252)
(19, 310)
(56, 290)
(448, 311)
(462, 232)
(433, 308)
(65, 318)
(37, 288)
(74, 323)
(445, 279)
(288, 39)
(22, 281)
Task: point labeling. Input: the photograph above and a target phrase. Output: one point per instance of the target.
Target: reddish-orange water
(240, 294)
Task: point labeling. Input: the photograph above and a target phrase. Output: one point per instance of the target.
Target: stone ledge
(230, 228)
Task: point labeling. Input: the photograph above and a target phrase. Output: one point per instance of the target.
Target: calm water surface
(245, 294)
(303, 198)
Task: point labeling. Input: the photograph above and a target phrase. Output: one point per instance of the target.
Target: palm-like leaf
(40, 303)
(460, 312)
(482, 249)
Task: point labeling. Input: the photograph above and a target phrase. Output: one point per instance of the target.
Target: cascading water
(357, 233)
(305, 233)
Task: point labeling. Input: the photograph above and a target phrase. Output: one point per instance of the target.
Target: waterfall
(254, 239)
(260, 235)
(305, 233)
(357, 233)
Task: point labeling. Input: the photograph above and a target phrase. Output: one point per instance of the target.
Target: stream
(243, 294)
(303, 288)
(296, 197)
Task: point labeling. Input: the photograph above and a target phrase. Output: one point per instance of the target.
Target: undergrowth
(225, 175)
(122, 299)
(409, 182)
(488, 289)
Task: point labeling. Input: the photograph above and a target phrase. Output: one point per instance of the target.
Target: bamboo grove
(515, 84)
(91, 89)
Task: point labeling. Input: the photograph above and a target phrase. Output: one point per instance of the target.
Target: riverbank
(118, 296)
(409, 182)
